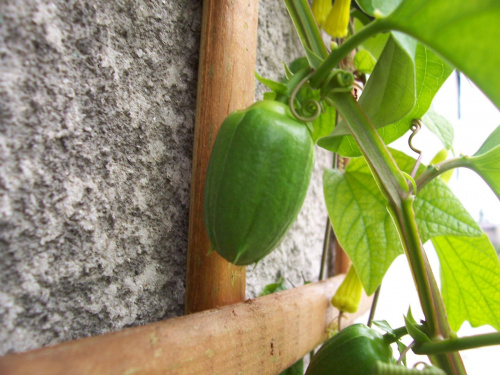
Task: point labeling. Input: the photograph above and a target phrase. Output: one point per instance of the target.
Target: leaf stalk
(456, 344)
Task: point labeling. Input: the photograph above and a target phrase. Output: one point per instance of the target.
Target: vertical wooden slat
(225, 83)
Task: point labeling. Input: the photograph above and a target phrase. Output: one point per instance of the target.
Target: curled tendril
(311, 105)
(416, 125)
(338, 81)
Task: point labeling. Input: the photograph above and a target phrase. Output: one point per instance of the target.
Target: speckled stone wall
(97, 102)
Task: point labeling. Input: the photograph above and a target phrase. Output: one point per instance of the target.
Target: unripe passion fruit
(257, 179)
(352, 351)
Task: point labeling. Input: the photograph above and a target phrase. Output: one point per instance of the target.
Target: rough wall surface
(97, 104)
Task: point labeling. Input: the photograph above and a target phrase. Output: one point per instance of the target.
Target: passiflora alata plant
(395, 55)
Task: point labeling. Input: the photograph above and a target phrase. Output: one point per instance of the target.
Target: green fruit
(257, 179)
(353, 351)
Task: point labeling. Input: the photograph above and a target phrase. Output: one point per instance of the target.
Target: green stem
(303, 19)
(407, 227)
(456, 344)
(374, 307)
(434, 171)
(396, 334)
(388, 176)
(336, 56)
(393, 185)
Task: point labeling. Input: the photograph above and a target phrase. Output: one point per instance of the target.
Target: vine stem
(393, 185)
(434, 171)
(461, 343)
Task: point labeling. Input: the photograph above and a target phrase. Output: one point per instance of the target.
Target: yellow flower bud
(348, 294)
(338, 19)
(441, 156)
(320, 9)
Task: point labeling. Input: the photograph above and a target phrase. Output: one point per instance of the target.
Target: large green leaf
(470, 277)
(439, 212)
(431, 72)
(486, 161)
(464, 33)
(361, 223)
(364, 227)
(389, 94)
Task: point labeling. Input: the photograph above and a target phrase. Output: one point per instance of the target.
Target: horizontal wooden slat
(259, 336)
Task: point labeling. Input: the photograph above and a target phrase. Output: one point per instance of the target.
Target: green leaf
(298, 64)
(277, 87)
(325, 123)
(344, 145)
(431, 72)
(403, 350)
(414, 330)
(389, 94)
(384, 326)
(364, 227)
(384, 7)
(486, 161)
(296, 369)
(274, 287)
(314, 59)
(440, 126)
(470, 277)
(269, 95)
(439, 212)
(464, 34)
(361, 222)
(364, 61)
(492, 142)
(361, 17)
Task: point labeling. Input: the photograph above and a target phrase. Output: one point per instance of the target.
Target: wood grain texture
(225, 83)
(260, 336)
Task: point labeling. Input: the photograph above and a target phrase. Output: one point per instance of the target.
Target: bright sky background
(478, 119)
